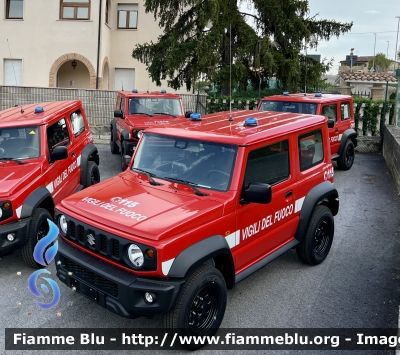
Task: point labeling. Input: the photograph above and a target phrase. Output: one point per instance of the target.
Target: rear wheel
(123, 165)
(39, 228)
(93, 174)
(113, 143)
(346, 160)
(319, 236)
(201, 305)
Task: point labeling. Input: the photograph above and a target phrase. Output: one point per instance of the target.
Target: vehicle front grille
(94, 279)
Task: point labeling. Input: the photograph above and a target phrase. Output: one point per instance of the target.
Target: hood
(151, 212)
(13, 176)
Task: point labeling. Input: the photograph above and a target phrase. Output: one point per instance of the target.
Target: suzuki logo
(90, 239)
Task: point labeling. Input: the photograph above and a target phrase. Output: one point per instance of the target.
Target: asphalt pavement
(357, 286)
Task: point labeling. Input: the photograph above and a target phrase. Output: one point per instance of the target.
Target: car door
(263, 228)
(331, 110)
(59, 173)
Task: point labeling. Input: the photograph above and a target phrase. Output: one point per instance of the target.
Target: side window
(311, 149)
(330, 111)
(78, 124)
(345, 110)
(57, 134)
(123, 105)
(127, 16)
(75, 9)
(269, 165)
(118, 105)
(14, 9)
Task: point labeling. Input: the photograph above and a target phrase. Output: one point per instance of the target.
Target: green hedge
(373, 112)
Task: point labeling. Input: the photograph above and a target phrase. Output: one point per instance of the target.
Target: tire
(123, 166)
(92, 174)
(346, 160)
(38, 229)
(113, 143)
(200, 307)
(317, 242)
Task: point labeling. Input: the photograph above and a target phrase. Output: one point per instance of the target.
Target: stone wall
(391, 152)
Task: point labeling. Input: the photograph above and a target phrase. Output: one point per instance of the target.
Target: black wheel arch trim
(315, 196)
(125, 135)
(195, 255)
(347, 134)
(90, 152)
(34, 200)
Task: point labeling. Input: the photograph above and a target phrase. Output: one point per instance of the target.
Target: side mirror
(126, 161)
(59, 153)
(188, 113)
(258, 192)
(331, 123)
(118, 113)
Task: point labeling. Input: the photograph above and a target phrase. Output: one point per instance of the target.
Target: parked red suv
(136, 111)
(338, 108)
(46, 154)
(203, 205)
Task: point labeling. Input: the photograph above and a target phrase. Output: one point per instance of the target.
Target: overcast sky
(368, 16)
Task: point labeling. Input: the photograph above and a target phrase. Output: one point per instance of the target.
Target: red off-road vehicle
(203, 205)
(338, 108)
(46, 154)
(136, 111)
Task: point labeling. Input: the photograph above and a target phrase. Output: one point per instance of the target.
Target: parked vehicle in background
(136, 111)
(203, 205)
(338, 108)
(46, 154)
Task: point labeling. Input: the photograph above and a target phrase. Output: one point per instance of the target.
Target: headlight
(135, 255)
(137, 133)
(62, 224)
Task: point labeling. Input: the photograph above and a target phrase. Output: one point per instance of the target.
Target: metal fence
(99, 104)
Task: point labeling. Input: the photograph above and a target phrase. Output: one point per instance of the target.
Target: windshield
(198, 163)
(19, 143)
(155, 105)
(285, 106)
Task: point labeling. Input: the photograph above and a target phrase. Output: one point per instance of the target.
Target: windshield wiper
(13, 159)
(164, 113)
(140, 113)
(189, 183)
(149, 175)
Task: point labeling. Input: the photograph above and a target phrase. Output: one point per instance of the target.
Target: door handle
(337, 130)
(289, 193)
(72, 154)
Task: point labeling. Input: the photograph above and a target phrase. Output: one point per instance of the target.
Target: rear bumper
(119, 291)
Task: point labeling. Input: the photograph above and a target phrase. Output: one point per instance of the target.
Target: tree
(382, 63)
(214, 37)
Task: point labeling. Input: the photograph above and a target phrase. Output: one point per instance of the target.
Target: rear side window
(311, 149)
(78, 124)
(269, 164)
(345, 110)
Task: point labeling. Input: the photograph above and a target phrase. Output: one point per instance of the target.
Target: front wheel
(346, 160)
(201, 305)
(318, 239)
(39, 228)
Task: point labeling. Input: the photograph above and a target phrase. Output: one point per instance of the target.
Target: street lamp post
(373, 63)
(351, 60)
(395, 49)
(387, 51)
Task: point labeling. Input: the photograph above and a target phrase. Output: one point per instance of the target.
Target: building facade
(75, 43)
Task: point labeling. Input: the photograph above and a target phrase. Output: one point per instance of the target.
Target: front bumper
(119, 291)
(21, 231)
(130, 146)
